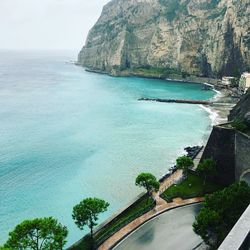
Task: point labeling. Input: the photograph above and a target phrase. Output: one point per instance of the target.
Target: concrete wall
(242, 155)
(238, 238)
(221, 147)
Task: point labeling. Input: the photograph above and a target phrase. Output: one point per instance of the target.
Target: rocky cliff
(242, 109)
(207, 38)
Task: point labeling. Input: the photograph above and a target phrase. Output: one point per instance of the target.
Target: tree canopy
(148, 181)
(87, 211)
(38, 234)
(221, 211)
(207, 168)
(184, 163)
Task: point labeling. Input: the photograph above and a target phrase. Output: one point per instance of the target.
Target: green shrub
(239, 125)
(221, 211)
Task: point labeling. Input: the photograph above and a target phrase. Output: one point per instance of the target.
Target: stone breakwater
(176, 101)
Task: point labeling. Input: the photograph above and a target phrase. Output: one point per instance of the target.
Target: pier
(183, 101)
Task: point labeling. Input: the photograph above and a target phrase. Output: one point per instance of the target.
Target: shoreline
(217, 112)
(222, 104)
(170, 77)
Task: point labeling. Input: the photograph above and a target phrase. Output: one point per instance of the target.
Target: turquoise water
(67, 134)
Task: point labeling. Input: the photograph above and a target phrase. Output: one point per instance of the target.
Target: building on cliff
(227, 81)
(244, 84)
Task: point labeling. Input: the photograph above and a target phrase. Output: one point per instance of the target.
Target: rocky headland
(195, 40)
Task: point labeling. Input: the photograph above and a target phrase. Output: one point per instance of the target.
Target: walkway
(197, 159)
(161, 206)
(166, 231)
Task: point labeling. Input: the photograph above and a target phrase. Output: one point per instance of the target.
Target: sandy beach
(223, 103)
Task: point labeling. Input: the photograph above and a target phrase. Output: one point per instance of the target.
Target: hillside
(208, 38)
(242, 109)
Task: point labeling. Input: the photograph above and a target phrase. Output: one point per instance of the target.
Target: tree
(38, 234)
(221, 211)
(87, 211)
(207, 168)
(207, 224)
(148, 181)
(184, 163)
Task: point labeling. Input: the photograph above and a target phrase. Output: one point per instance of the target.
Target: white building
(227, 80)
(244, 82)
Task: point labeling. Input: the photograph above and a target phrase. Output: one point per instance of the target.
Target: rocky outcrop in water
(207, 38)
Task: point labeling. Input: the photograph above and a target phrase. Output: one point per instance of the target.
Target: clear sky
(47, 24)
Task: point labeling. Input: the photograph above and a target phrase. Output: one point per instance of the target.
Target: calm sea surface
(66, 134)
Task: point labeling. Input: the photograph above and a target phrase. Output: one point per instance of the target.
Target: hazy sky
(47, 24)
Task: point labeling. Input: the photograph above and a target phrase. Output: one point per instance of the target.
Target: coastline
(215, 115)
(222, 104)
(152, 75)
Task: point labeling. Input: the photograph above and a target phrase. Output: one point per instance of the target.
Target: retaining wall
(242, 155)
(231, 151)
(221, 147)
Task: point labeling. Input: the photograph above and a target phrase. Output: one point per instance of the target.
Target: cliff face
(199, 37)
(242, 109)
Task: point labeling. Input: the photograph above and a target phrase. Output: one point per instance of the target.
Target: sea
(67, 134)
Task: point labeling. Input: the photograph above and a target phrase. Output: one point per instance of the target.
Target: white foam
(213, 115)
(217, 96)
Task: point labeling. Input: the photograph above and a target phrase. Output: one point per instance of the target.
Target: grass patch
(189, 188)
(140, 207)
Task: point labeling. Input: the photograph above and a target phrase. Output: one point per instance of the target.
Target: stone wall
(239, 236)
(231, 151)
(242, 155)
(221, 147)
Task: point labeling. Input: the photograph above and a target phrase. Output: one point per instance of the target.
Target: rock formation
(242, 109)
(208, 38)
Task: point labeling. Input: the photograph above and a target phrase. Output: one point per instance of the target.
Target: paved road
(169, 231)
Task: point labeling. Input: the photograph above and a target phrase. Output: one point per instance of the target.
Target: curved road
(169, 231)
